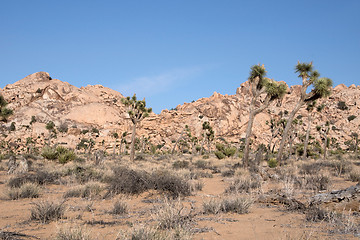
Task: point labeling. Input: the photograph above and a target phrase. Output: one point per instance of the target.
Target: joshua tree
(310, 107)
(115, 135)
(137, 112)
(260, 85)
(4, 111)
(208, 135)
(123, 141)
(321, 88)
(185, 133)
(50, 126)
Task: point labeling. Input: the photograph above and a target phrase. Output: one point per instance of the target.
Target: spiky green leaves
(304, 69)
(4, 112)
(257, 75)
(137, 108)
(275, 90)
(322, 87)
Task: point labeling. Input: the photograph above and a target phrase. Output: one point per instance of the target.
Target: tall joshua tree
(321, 88)
(4, 111)
(310, 107)
(137, 112)
(260, 85)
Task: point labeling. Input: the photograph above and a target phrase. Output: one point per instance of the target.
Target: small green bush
(49, 153)
(352, 117)
(67, 157)
(180, 164)
(272, 163)
(220, 155)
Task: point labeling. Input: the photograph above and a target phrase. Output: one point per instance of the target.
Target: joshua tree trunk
(252, 114)
(288, 126)
(306, 143)
(247, 138)
(177, 141)
(202, 144)
(132, 151)
(114, 147)
(326, 141)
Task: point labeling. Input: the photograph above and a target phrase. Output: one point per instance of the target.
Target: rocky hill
(100, 108)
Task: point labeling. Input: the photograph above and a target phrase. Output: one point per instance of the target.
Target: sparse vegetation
(47, 211)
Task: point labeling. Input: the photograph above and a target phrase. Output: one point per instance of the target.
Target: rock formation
(98, 107)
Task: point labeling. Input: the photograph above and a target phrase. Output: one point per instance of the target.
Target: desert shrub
(235, 204)
(228, 173)
(316, 214)
(27, 190)
(317, 182)
(49, 153)
(202, 164)
(311, 168)
(171, 184)
(72, 233)
(224, 151)
(119, 208)
(46, 211)
(63, 128)
(351, 117)
(272, 163)
(342, 105)
(95, 130)
(152, 233)
(196, 185)
(220, 155)
(67, 157)
(244, 184)
(171, 215)
(354, 176)
(180, 164)
(87, 191)
(40, 177)
(125, 180)
(85, 174)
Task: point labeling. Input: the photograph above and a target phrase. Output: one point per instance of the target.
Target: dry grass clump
(129, 181)
(172, 214)
(85, 173)
(72, 233)
(235, 204)
(40, 177)
(317, 182)
(180, 164)
(171, 184)
(88, 190)
(27, 190)
(47, 211)
(344, 222)
(244, 184)
(354, 175)
(120, 207)
(142, 232)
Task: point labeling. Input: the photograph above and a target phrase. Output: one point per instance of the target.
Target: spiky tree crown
(258, 74)
(137, 108)
(275, 89)
(304, 69)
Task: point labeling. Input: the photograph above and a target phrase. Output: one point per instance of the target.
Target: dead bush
(128, 181)
(120, 207)
(40, 177)
(235, 204)
(27, 190)
(88, 190)
(172, 215)
(73, 233)
(169, 183)
(317, 182)
(47, 211)
(244, 184)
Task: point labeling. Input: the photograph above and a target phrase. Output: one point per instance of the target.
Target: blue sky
(176, 51)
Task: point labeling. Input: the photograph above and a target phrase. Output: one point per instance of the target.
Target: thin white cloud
(152, 85)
